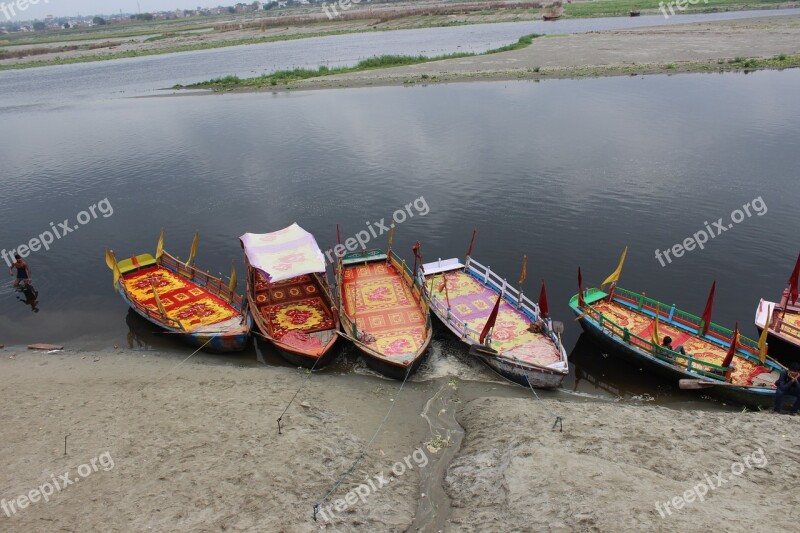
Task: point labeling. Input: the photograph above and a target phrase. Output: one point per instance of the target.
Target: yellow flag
(524, 270)
(158, 300)
(160, 245)
(193, 251)
(654, 338)
(762, 340)
(615, 275)
(111, 261)
(234, 281)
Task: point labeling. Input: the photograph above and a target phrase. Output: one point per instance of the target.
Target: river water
(567, 172)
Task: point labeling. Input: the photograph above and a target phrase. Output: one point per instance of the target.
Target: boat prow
(383, 312)
(523, 346)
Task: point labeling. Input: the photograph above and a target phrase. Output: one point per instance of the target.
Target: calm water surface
(568, 172)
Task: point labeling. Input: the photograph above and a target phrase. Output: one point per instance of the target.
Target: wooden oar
(701, 384)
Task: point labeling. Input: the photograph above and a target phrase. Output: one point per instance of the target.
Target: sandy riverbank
(195, 447)
(698, 47)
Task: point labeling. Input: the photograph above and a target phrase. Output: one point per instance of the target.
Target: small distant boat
(632, 326)
(635, 12)
(289, 296)
(185, 301)
(551, 16)
(506, 330)
(783, 331)
(383, 311)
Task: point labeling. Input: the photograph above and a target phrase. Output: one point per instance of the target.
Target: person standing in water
(24, 274)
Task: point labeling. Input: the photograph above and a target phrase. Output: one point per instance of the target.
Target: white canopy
(283, 254)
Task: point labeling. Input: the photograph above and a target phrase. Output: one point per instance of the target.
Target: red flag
(793, 281)
(543, 309)
(581, 303)
(709, 307)
(734, 343)
(471, 242)
(417, 256)
(492, 318)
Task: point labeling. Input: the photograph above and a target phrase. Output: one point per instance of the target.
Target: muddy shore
(195, 446)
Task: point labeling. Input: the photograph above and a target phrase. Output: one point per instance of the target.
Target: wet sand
(195, 447)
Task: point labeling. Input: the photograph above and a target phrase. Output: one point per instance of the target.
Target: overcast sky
(60, 8)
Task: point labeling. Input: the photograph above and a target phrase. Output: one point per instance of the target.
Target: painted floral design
(398, 347)
(381, 294)
(298, 317)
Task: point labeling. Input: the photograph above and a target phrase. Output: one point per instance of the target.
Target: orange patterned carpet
(472, 302)
(698, 348)
(192, 305)
(297, 305)
(383, 306)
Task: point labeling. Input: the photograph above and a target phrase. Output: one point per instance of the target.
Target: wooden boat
(551, 16)
(635, 12)
(383, 311)
(623, 321)
(289, 298)
(463, 296)
(187, 302)
(783, 318)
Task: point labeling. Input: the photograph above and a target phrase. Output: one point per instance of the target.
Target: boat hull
(523, 374)
(227, 342)
(393, 370)
(654, 366)
(779, 348)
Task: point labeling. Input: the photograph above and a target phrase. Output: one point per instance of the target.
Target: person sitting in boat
(668, 345)
(23, 271)
(788, 384)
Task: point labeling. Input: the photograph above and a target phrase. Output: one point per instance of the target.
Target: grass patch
(617, 8)
(379, 62)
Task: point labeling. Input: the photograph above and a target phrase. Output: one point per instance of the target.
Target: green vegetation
(384, 61)
(616, 8)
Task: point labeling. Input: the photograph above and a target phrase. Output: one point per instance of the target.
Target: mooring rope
(318, 506)
(302, 386)
(179, 364)
(558, 420)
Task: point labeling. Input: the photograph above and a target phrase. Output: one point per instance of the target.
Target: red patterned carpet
(698, 348)
(383, 306)
(296, 305)
(192, 305)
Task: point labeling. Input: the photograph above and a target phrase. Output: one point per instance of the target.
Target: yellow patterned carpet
(472, 302)
(698, 348)
(383, 306)
(192, 305)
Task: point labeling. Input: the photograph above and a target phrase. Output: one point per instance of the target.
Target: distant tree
(99, 21)
(231, 9)
(39, 26)
(66, 26)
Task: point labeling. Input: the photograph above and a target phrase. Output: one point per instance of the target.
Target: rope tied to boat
(302, 386)
(318, 506)
(559, 420)
(179, 364)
